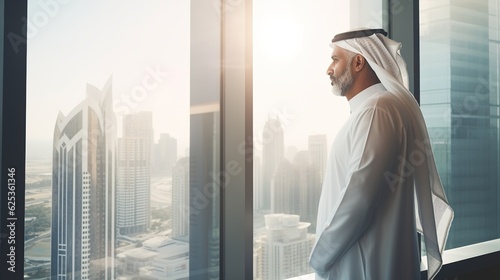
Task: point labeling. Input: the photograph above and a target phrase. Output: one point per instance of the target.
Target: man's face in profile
(340, 71)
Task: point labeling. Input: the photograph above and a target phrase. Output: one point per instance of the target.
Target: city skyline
(151, 57)
(146, 68)
(144, 51)
(83, 185)
(151, 73)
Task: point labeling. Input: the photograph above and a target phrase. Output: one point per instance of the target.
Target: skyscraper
(83, 189)
(133, 183)
(460, 101)
(308, 187)
(296, 188)
(257, 182)
(273, 151)
(318, 151)
(180, 198)
(165, 156)
(284, 189)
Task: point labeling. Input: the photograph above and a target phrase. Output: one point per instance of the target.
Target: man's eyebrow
(334, 56)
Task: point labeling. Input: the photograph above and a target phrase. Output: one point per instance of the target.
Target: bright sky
(89, 41)
(80, 42)
(291, 54)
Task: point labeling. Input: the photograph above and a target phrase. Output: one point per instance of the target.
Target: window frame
(13, 132)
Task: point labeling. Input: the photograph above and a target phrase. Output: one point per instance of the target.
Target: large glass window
(295, 121)
(459, 97)
(124, 125)
(113, 122)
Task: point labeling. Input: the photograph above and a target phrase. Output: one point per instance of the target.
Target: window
(460, 101)
(295, 121)
(112, 118)
(288, 53)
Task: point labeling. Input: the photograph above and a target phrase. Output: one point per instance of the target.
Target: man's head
(349, 73)
(340, 71)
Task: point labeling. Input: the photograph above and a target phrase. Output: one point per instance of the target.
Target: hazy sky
(291, 54)
(80, 42)
(89, 41)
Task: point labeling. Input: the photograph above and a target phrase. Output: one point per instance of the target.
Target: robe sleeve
(373, 145)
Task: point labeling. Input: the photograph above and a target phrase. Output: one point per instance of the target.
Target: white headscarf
(434, 214)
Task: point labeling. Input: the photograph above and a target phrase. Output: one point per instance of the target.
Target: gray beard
(343, 83)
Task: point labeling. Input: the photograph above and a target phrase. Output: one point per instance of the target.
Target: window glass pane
(460, 101)
(296, 118)
(108, 142)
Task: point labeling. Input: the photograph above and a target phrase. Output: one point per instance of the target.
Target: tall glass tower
(460, 101)
(180, 198)
(273, 151)
(83, 189)
(133, 178)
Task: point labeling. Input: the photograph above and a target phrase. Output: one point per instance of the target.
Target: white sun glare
(278, 37)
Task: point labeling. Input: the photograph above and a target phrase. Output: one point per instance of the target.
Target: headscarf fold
(433, 212)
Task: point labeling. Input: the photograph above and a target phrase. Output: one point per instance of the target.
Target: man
(381, 186)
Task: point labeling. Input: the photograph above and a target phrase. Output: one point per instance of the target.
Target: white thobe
(366, 222)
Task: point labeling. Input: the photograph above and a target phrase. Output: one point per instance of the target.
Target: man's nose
(329, 71)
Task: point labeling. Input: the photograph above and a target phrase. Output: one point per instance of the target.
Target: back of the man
(390, 242)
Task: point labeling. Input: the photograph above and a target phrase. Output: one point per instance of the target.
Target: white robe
(366, 218)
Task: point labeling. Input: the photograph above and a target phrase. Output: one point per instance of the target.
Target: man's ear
(359, 62)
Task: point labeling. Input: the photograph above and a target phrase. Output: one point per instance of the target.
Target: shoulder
(380, 103)
(384, 100)
(382, 107)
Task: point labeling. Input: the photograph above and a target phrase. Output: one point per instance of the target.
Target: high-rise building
(308, 180)
(318, 151)
(284, 189)
(83, 189)
(460, 101)
(273, 150)
(257, 182)
(282, 248)
(180, 198)
(296, 188)
(133, 181)
(165, 155)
